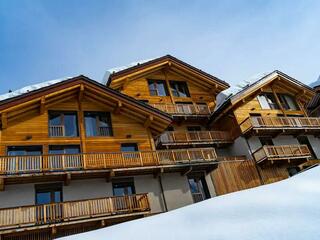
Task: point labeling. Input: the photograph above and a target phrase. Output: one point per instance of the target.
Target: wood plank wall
(235, 176)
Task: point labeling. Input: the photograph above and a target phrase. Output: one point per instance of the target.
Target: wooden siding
(273, 173)
(32, 129)
(235, 176)
(139, 89)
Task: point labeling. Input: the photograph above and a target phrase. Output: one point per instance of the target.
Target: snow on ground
(287, 210)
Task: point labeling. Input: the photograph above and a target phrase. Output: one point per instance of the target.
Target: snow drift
(285, 210)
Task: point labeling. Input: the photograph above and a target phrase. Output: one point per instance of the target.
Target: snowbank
(285, 210)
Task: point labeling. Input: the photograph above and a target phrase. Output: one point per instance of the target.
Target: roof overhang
(117, 79)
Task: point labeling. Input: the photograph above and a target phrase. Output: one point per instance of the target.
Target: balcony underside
(273, 131)
(108, 174)
(273, 160)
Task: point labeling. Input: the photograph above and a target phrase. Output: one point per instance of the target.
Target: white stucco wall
(17, 195)
(149, 184)
(176, 190)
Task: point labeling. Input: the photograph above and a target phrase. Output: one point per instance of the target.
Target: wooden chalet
(77, 154)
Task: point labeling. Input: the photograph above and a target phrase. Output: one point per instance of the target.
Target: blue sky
(233, 40)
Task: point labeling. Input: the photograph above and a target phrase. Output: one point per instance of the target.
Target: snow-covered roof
(31, 88)
(234, 90)
(121, 68)
(287, 210)
(316, 83)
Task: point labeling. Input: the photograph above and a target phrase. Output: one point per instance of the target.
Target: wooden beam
(117, 109)
(42, 105)
(2, 184)
(53, 231)
(188, 170)
(4, 120)
(278, 101)
(165, 72)
(148, 121)
(81, 91)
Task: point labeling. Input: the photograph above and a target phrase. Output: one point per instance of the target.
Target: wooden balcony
(184, 110)
(119, 163)
(199, 138)
(72, 212)
(285, 152)
(290, 125)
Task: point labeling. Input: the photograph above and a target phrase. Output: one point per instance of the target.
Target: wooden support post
(165, 72)
(148, 121)
(278, 101)
(53, 231)
(81, 126)
(4, 120)
(67, 179)
(42, 105)
(103, 223)
(2, 184)
(81, 93)
(158, 173)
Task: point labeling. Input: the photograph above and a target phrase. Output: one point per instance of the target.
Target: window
(24, 150)
(157, 88)
(288, 102)
(123, 187)
(129, 147)
(48, 193)
(63, 124)
(64, 149)
(267, 101)
(98, 124)
(293, 171)
(266, 141)
(179, 89)
(198, 187)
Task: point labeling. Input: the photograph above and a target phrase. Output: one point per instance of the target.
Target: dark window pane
(179, 89)
(24, 150)
(64, 149)
(70, 123)
(98, 124)
(123, 188)
(43, 198)
(162, 90)
(129, 147)
(55, 119)
(157, 88)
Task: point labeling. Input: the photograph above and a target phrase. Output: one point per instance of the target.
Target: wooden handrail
(72, 210)
(183, 109)
(281, 152)
(279, 122)
(85, 161)
(194, 136)
(56, 131)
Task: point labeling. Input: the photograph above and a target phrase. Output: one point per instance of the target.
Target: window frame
(155, 83)
(48, 187)
(174, 88)
(126, 182)
(284, 102)
(62, 119)
(98, 125)
(273, 106)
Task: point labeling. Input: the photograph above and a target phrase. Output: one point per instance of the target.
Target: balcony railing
(70, 211)
(256, 122)
(56, 131)
(100, 161)
(194, 137)
(285, 152)
(183, 109)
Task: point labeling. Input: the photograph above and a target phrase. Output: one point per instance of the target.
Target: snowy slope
(285, 210)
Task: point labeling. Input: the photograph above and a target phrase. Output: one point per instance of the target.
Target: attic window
(288, 102)
(179, 89)
(267, 101)
(157, 88)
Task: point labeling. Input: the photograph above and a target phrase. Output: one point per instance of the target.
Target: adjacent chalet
(78, 154)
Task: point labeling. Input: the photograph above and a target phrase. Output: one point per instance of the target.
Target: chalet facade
(77, 154)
